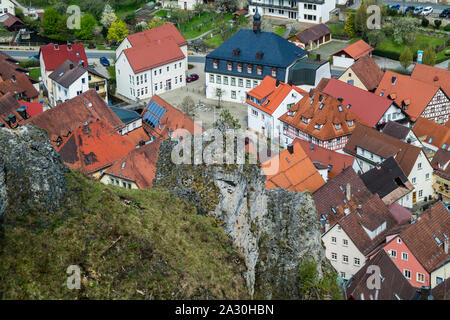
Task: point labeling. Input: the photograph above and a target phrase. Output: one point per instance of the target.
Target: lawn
(214, 41)
(201, 24)
(279, 30)
(35, 73)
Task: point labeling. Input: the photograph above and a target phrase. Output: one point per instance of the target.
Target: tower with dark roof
(257, 21)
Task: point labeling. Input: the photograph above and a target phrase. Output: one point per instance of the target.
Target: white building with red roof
(269, 101)
(151, 62)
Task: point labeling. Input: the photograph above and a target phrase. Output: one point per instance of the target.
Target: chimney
(394, 79)
(446, 245)
(8, 122)
(346, 211)
(13, 77)
(277, 83)
(69, 46)
(318, 57)
(23, 112)
(290, 148)
(71, 66)
(56, 46)
(340, 99)
(348, 192)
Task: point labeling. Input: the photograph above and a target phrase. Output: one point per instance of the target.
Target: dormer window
(340, 108)
(259, 70)
(305, 120)
(249, 69)
(274, 72)
(229, 66)
(215, 64)
(318, 126)
(239, 67)
(337, 126)
(350, 123)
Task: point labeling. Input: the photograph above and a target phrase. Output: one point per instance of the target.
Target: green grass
(338, 30)
(208, 20)
(35, 73)
(279, 30)
(131, 244)
(214, 41)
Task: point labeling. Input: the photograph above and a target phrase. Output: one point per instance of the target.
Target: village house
(432, 75)
(432, 135)
(319, 119)
(7, 6)
(51, 56)
(364, 74)
(394, 286)
(401, 132)
(415, 97)
(11, 22)
(296, 171)
(11, 71)
(309, 11)
(370, 108)
(245, 59)
(441, 175)
(151, 62)
(267, 102)
(312, 37)
(345, 57)
(421, 250)
(371, 147)
(307, 73)
(20, 86)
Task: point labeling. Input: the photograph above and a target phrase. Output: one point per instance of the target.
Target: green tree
(437, 23)
(429, 56)
(117, 32)
(350, 25)
(425, 22)
(406, 58)
(155, 22)
(361, 20)
(375, 37)
(405, 31)
(87, 24)
(227, 121)
(50, 21)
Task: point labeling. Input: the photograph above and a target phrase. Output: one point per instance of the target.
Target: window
(420, 277)
(344, 258)
(413, 180)
(156, 87)
(233, 94)
(357, 262)
(337, 126)
(407, 274)
(333, 239)
(155, 72)
(241, 82)
(229, 66)
(419, 165)
(211, 78)
(274, 72)
(255, 83)
(89, 78)
(218, 79)
(181, 79)
(343, 275)
(439, 280)
(399, 240)
(350, 123)
(248, 83)
(420, 193)
(249, 69)
(333, 256)
(345, 242)
(427, 176)
(225, 80)
(233, 81)
(215, 64)
(239, 67)
(254, 112)
(404, 256)
(160, 70)
(393, 253)
(259, 72)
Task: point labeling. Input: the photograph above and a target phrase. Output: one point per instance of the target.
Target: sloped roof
(432, 75)
(406, 91)
(275, 95)
(420, 236)
(172, 120)
(33, 108)
(367, 106)
(8, 20)
(384, 146)
(429, 129)
(367, 71)
(67, 73)
(137, 136)
(326, 158)
(440, 163)
(93, 147)
(166, 31)
(303, 72)
(296, 172)
(394, 286)
(9, 66)
(21, 84)
(396, 130)
(356, 50)
(139, 165)
(126, 116)
(277, 51)
(54, 57)
(388, 181)
(442, 290)
(329, 115)
(66, 117)
(9, 106)
(313, 33)
(162, 52)
(401, 214)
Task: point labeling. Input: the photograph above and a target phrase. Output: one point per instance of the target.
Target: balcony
(276, 6)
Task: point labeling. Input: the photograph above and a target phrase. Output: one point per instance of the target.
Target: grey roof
(304, 71)
(65, 76)
(127, 116)
(396, 130)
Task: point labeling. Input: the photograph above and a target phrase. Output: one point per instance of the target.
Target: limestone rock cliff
(273, 229)
(32, 175)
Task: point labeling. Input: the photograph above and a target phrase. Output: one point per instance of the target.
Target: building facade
(7, 6)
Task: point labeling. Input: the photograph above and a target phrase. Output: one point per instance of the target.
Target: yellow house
(441, 175)
(364, 74)
(98, 82)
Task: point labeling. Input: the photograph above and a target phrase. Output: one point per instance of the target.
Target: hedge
(386, 53)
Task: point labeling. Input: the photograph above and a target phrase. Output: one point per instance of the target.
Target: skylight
(437, 240)
(431, 140)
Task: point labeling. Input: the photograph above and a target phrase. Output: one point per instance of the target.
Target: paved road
(19, 54)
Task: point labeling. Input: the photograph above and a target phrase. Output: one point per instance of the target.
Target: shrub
(388, 31)
(437, 23)
(425, 22)
(447, 52)
(447, 27)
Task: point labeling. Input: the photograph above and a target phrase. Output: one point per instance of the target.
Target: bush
(388, 31)
(29, 64)
(425, 22)
(386, 53)
(437, 23)
(447, 52)
(447, 27)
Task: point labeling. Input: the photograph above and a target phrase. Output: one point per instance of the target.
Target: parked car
(418, 10)
(427, 11)
(192, 77)
(395, 6)
(445, 13)
(410, 9)
(104, 61)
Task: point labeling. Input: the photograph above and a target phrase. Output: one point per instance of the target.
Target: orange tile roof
(167, 31)
(21, 84)
(430, 129)
(328, 115)
(435, 76)
(172, 120)
(296, 172)
(137, 136)
(93, 147)
(139, 165)
(356, 50)
(275, 95)
(326, 157)
(415, 94)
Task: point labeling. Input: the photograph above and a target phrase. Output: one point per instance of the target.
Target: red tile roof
(9, 20)
(93, 147)
(21, 85)
(53, 57)
(318, 155)
(321, 109)
(425, 128)
(420, 237)
(367, 106)
(356, 50)
(367, 71)
(275, 95)
(167, 31)
(9, 106)
(163, 52)
(33, 108)
(406, 91)
(296, 172)
(139, 165)
(9, 66)
(432, 75)
(172, 120)
(441, 163)
(137, 136)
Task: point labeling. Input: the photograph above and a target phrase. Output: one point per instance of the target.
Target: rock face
(32, 175)
(273, 229)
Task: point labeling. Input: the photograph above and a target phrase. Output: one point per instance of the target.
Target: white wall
(442, 272)
(7, 6)
(393, 113)
(188, 4)
(342, 62)
(227, 89)
(420, 175)
(131, 126)
(64, 94)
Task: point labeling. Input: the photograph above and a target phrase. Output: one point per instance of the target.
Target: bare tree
(188, 106)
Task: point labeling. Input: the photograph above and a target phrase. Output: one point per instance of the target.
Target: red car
(192, 77)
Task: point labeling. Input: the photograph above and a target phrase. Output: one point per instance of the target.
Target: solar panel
(156, 109)
(153, 120)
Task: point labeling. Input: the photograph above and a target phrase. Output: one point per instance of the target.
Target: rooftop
(432, 133)
(367, 71)
(440, 163)
(401, 214)
(9, 115)
(355, 50)
(54, 55)
(67, 73)
(126, 116)
(432, 75)
(313, 33)
(396, 130)
(19, 83)
(165, 32)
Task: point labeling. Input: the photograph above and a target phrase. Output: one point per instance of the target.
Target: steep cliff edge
(275, 230)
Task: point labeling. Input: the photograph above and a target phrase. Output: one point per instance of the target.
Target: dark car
(104, 61)
(410, 8)
(395, 6)
(445, 13)
(192, 77)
